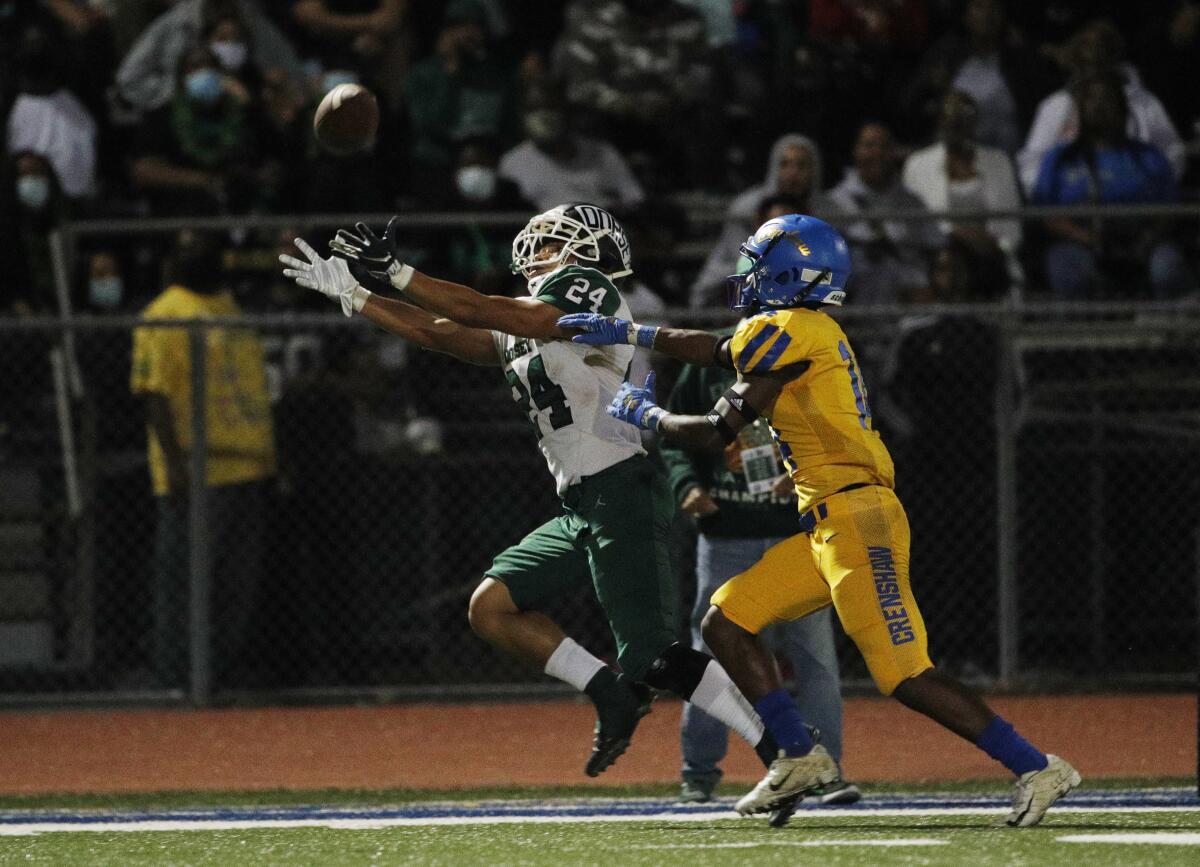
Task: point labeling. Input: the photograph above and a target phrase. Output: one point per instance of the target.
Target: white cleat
(1035, 791)
(788, 776)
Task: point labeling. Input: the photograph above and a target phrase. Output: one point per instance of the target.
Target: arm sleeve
(682, 471)
(580, 290)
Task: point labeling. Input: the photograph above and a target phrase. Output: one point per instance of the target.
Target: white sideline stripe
(18, 829)
(1164, 838)
(896, 841)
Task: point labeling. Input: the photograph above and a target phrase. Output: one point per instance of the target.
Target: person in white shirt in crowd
(555, 165)
(958, 173)
(889, 257)
(793, 170)
(1094, 49)
(986, 58)
(49, 120)
(146, 77)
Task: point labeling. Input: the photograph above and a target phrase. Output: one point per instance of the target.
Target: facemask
(33, 191)
(476, 183)
(545, 125)
(203, 86)
(231, 55)
(106, 292)
(334, 77)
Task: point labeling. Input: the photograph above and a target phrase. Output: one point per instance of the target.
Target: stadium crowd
(204, 107)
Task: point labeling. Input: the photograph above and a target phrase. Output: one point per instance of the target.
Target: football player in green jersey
(617, 507)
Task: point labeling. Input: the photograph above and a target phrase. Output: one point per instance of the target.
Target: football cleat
(839, 794)
(1035, 791)
(618, 713)
(787, 776)
(783, 811)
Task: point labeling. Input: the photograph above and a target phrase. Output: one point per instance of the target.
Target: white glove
(331, 277)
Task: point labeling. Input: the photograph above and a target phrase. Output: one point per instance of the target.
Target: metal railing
(1074, 396)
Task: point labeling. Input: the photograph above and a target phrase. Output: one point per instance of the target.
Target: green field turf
(820, 837)
(973, 840)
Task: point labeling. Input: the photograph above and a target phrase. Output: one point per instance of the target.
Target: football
(347, 119)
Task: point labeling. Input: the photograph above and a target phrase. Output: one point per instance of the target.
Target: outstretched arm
(332, 278)
(738, 407)
(473, 345)
(523, 317)
(702, 348)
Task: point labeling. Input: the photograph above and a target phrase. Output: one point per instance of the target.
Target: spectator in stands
(641, 72)
(48, 119)
(555, 164)
(105, 283)
(197, 154)
(463, 91)
(889, 257)
(146, 78)
(874, 46)
(957, 173)
(240, 457)
(348, 34)
(38, 208)
(986, 60)
(793, 170)
(1098, 48)
(479, 255)
(1171, 55)
(1105, 165)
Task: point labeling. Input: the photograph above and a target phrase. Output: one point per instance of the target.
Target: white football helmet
(588, 232)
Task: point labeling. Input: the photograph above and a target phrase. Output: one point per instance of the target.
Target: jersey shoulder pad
(767, 342)
(576, 289)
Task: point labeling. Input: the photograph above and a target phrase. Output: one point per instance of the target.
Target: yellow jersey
(821, 420)
(241, 439)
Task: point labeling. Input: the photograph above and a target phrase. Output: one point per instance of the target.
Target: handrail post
(199, 542)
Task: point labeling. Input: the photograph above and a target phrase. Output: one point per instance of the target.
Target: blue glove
(608, 330)
(636, 406)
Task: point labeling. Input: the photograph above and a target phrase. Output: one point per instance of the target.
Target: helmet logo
(802, 247)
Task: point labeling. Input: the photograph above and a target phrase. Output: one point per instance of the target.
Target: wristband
(653, 417)
(641, 335)
(727, 433)
(360, 298)
(402, 276)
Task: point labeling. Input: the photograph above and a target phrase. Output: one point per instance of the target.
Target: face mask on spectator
(231, 55)
(33, 191)
(476, 183)
(546, 125)
(106, 292)
(203, 86)
(334, 77)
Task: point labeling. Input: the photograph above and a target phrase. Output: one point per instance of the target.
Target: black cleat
(618, 711)
(782, 813)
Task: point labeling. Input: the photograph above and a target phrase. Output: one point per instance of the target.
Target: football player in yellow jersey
(796, 368)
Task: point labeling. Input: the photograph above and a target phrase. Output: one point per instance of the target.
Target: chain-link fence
(339, 493)
(1048, 462)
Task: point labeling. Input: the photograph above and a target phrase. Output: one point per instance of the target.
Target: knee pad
(678, 669)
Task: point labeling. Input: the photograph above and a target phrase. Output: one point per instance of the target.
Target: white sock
(572, 664)
(717, 696)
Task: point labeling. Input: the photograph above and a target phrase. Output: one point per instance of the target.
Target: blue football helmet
(791, 261)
